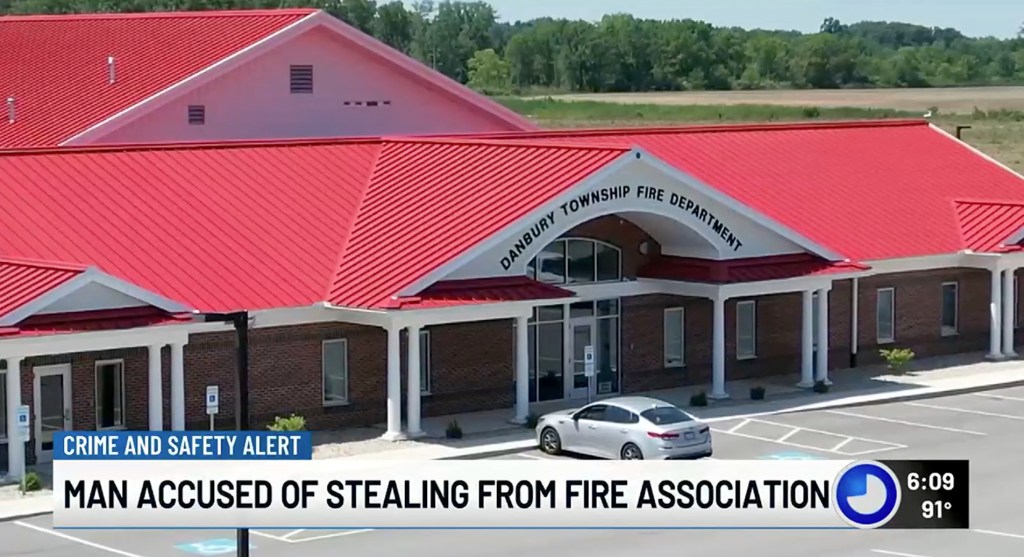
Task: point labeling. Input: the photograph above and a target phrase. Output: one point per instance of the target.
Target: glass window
(109, 394)
(664, 415)
(746, 330)
(814, 321)
(551, 263)
(596, 412)
(335, 371)
(531, 337)
(424, 361)
(581, 309)
(607, 308)
(950, 308)
(674, 344)
(550, 313)
(3, 405)
(550, 361)
(608, 266)
(619, 415)
(580, 254)
(1016, 303)
(885, 315)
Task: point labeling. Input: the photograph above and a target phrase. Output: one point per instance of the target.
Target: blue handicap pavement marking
(791, 455)
(211, 547)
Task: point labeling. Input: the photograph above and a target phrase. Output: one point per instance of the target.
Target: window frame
(565, 261)
(681, 312)
(96, 392)
(425, 370)
(944, 330)
(879, 339)
(323, 373)
(752, 353)
(1016, 302)
(3, 405)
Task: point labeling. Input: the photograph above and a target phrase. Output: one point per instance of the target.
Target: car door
(588, 425)
(616, 430)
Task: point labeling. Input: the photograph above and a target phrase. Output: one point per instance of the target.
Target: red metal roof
(744, 270)
(220, 229)
(55, 66)
(24, 281)
(481, 291)
(430, 201)
(86, 321)
(869, 190)
(985, 225)
(354, 222)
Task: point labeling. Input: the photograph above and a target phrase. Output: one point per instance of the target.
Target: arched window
(576, 261)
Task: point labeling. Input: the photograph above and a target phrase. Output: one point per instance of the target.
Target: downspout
(853, 323)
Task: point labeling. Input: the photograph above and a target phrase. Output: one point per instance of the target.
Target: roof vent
(111, 70)
(10, 110)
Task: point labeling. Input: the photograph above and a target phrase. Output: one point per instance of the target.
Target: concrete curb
(14, 517)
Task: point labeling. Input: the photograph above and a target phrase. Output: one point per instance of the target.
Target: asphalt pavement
(985, 428)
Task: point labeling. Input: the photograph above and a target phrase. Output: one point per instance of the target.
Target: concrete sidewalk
(489, 433)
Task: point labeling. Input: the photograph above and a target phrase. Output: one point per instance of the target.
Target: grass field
(995, 114)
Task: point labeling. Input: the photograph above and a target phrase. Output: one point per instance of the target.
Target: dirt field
(961, 100)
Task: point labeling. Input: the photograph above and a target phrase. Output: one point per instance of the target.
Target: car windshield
(664, 415)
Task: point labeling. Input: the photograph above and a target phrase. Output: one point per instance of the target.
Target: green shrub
(897, 358)
(453, 431)
(291, 423)
(757, 393)
(820, 387)
(31, 482)
(699, 399)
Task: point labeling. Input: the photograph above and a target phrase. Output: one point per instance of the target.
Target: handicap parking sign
(211, 547)
(791, 455)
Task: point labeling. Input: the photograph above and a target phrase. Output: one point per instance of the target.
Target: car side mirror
(576, 416)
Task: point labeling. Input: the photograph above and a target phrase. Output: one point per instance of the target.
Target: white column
(394, 431)
(807, 341)
(995, 308)
(15, 450)
(156, 395)
(413, 393)
(522, 370)
(822, 374)
(178, 387)
(718, 350)
(1009, 299)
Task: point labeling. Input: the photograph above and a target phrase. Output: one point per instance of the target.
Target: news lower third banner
(270, 480)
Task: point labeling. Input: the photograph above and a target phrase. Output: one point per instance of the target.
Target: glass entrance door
(52, 390)
(582, 336)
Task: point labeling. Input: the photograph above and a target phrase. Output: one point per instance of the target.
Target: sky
(978, 18)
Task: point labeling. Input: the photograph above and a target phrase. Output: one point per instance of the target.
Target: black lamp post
(240, 320)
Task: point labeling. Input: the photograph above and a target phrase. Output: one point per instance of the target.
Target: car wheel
(550, 442)
(631, 452)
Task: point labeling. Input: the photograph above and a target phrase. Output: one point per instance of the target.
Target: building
(74, 80)
(404, 276)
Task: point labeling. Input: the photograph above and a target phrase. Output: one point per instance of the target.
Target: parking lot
(985, 428)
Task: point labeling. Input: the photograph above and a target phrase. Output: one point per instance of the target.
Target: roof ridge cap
(496, 142)
(188, 146)
(963, 201)
(209, 14)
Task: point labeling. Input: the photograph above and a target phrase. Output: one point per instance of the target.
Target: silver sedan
(627, 428)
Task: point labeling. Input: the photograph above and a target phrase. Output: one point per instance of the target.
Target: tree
(394, 26)
(489, 73)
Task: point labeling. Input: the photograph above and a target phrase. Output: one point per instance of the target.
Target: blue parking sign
(211, 547)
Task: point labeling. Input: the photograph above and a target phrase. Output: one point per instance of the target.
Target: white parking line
(793, 430)
(533, 456)
(965, 411)
(896, 553)
(334, 535)
(292, 533)
(270, 536)
(1001, 534)
(68, 537)
(1000, 397)
(904, 422)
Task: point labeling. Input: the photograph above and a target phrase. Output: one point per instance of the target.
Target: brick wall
(919, 312)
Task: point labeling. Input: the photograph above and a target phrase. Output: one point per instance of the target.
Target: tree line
(621, 53)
